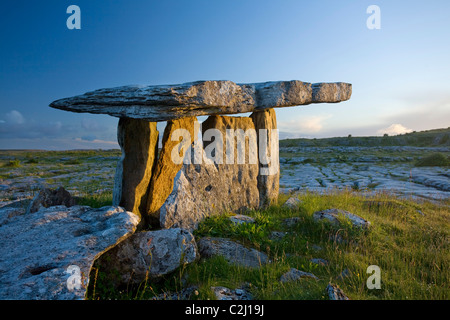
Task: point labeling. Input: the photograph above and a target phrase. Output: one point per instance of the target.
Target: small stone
(233, 252)
(295, 274)
(331, 215)
(241, 219)
(320, 261)
(336, 293)
(292, 203)
(223, 293)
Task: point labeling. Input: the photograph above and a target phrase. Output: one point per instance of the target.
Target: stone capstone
(168, 102)
(148, 255)
(48, 254)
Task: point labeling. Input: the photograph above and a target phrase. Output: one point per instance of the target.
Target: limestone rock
(168, 102)
(319, 261)
(331, 215)
(138, 140)
(241, 218)
(49, 254)
(202, 190)
(224, 293)
(233, 252)
(49, 198)
(162, 181)
(195, 195)
(295, 274)
(336, 293)
(239, 166)
(148, 254)
(269, 162)
(292, 203)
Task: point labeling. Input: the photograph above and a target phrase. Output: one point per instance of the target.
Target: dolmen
(226, 163)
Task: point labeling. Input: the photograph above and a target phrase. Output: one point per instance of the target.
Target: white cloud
(304, 125)
(394, 129)
(15, 117)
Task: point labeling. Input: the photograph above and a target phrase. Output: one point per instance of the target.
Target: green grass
(434, 160)
(411, 249)
(96, 200)
(429, 138)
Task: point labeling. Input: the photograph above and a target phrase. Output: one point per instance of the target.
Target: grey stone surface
(241, 218)
(49, 198)
(203, 190)
(148, 255)
(340, 168)
(292, 203)
(224, 293)
(233, 252)
(332, 215)
(336, 293)
(295, 274)
(167, 102)
(45, 252)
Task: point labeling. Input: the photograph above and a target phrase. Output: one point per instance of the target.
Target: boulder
(138, 140)
(332, 215)
(162, 181)
(295, 274)
(48, 254)
(49, 198)
(232, 251)
(168, 102)
(148, 255)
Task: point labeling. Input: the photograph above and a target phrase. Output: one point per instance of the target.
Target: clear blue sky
(400, 73)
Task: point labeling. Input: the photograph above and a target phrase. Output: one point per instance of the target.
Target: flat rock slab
(48, 255)
(168, 102)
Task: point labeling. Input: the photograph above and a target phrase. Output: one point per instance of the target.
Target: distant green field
(430, 138)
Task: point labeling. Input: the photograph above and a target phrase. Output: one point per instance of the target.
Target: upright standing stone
(240, 169)
(269, 163)
(138, 140)
(167, 166)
